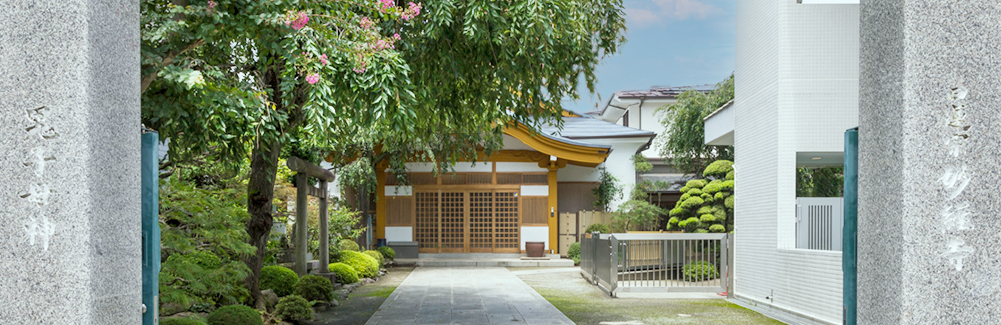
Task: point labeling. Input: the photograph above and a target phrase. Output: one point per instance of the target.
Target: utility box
(404, 249)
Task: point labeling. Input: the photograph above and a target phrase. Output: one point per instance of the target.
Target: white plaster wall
(399, 233)
(393, 190)
(573, 173)
(620, 163)
(521, 167)
(511, 143)
(534, 234)
(650, 121)
(535, 190)
(796, 89)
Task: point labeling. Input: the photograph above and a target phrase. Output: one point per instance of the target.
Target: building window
(819, 207)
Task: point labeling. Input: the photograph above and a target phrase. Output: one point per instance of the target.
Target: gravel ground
(364, 301)
(587, 304)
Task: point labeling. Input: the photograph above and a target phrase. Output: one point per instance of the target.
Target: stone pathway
(457, 295)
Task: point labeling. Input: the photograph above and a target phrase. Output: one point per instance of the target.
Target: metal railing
(655, 262)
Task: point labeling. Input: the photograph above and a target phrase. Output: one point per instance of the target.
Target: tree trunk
(260, 194)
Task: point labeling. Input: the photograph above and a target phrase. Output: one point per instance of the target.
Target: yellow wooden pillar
(380, 203)
(553, 213)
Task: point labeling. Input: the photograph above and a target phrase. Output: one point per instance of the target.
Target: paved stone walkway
(458, 295)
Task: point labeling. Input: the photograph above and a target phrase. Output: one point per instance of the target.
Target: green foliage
(235, 315)
(348, 245)
(683, 121)
(607, 190)
(713, 187)
(280, 279)
(314, 288)
(729, 176)
(641, 164)
(202, 240)
(344, 273)
(387, 252)
(599, 227)
(181, 321)
(702, 207)
(294, 309)
(820, 182)
(574, 252)
(377, 256)
(694, 192)
(695, 184)
(718, 169)
(366, 266)
(691, 203)
(700, 271)
(638, 214)
(729, 202)
(717, 228)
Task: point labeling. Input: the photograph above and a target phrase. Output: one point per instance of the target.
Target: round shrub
(718, 169)
(677, 212)
(366, 266)
(314, 288)
(574, 252)
(700, 231)
(719, 196)
(345, 274)
(704, 210)
(348, 245)
(695, 183)
(728, 185)
(181, 321)
(684, 197)
(717, 228)
(387, 252)
(691, 202)
(728, 202)
(694, 192)
(280, 279)
(377, 256)
(235, 315)
(713, 187)
(729, 175)
(693, 221)
(599, 227)
(707, 218)
(700, 271)
(707, 198)
(294, 309)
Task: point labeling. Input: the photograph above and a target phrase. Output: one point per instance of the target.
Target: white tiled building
(796, 83)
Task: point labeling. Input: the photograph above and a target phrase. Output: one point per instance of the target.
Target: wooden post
(324, 230)
(301, 234)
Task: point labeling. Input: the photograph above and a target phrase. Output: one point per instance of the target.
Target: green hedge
(294, 309)
(181, 321)
(599, 227)
(387, 252)
(574, 252)
(345, 274)
(280, 279)
(315, 288)
(377, 256)
(366, 266)
(700, 271)
(348, 245)
(235, 315)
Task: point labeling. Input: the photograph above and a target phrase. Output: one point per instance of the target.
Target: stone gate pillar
(929, 221)
(69, 162)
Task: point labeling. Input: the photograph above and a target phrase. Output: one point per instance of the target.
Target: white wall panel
(522, 167)
(535, 190)
(535, 234)
(393, 190)
(572, 173)
(399, 234)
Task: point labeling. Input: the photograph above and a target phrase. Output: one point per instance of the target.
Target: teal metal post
(150, 226)
(849, 242)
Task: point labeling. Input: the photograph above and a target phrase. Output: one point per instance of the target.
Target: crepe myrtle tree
(706, 205)
(386, 80)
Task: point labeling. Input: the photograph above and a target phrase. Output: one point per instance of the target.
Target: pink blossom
(383, 44)
(323, 59)
(396, 36)
(366, 23)
(212, 4)
(313, 78)
(299, 21)
(413, 9)
(385, 5)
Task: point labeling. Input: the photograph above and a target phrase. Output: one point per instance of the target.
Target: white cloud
(645, 13)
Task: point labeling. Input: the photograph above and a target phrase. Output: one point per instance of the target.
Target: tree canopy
(684, 143)
(437, 80)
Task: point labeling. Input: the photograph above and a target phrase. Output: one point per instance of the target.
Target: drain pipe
(849, 241)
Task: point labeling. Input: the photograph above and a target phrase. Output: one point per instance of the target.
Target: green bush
(717, 228)
(294, 309)
(718, 169)
(315, 288)
(278, 278)
(345, 274)
(728, 202)
(377, 256)
(729, 175)
(366, 266)
(181, 321)
(348, 245)
(700, 271)
(694, 192)
(695, 183)
(574, 252)
(599, 227)
(387, 252)
(235, 315)
(691, 203)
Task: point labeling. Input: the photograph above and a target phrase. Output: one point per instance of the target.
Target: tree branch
(168, 60)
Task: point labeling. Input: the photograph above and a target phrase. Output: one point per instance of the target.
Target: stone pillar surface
(929, 232)
(70, 229)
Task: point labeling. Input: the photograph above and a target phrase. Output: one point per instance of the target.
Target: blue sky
(669, 43)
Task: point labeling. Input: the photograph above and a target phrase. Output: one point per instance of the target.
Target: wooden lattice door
(507, 224)
(426, 213)
(453, 222)
(481, 222)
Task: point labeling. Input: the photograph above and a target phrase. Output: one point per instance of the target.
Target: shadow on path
(364, 301)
